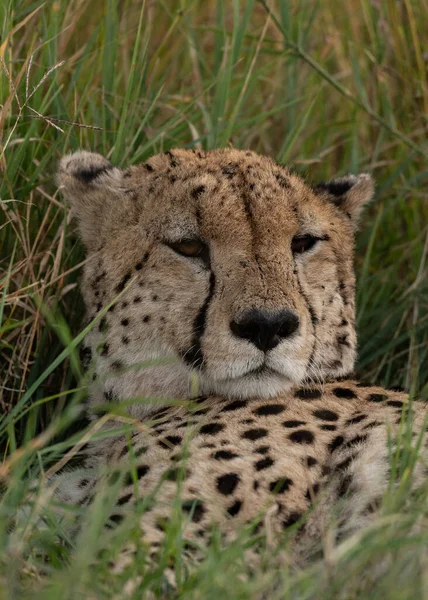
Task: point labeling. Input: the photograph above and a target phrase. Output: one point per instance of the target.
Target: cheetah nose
(265, 329)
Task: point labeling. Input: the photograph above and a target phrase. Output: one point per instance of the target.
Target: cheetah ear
(93, 187)
(350, 193)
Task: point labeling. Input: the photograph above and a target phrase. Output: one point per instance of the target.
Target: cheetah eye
(303, 243)
(192, 248)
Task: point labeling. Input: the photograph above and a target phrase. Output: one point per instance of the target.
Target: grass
(328, 88)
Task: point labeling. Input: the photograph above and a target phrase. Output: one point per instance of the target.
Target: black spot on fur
(170, 440)
(264, 463)
(85, 356)
(325, 415)
(146, 319)
(302, 436)
(312, 491)
(234, 509)
(396, 403)
(342, 466)
(283, 181)
(197, 191)
(343, 340)
(116, 518)
(372, 424)
(262, 450)
(377, 398)
(280, 485)
(124, 499)
(336, 443)
(311, 461)
(269, 409)
(290, 424)
(195, 508)
(211, 428)
(227, 483)
(105, 349)
(356, 419)
(229, 171)
(224, 455)
(121, 285)
(308, 394)
(347, 393)
(124, 322)
(344, 486)
(142, 470)
(328, 427)
(148, 167)
(292, 519)
(355, 440)
(234, 405)
(254, 434)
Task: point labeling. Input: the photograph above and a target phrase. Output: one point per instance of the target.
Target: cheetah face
(224, 265)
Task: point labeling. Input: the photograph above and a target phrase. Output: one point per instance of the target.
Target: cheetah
(221, 290)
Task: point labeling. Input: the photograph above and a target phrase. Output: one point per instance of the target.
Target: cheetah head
(227, 270)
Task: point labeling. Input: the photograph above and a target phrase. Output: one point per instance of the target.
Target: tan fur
(281, 445)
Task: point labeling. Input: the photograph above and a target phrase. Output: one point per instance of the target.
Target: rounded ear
(350, 193)
(92, 185)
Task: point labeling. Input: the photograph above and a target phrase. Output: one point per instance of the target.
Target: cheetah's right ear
(349, 193)
(94, 188)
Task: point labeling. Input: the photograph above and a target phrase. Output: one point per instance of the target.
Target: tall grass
(326, 87)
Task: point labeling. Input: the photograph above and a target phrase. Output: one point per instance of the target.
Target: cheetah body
(277, 437)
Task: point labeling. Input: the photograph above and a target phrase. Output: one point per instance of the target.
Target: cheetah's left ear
(94, 188)
(350, 193)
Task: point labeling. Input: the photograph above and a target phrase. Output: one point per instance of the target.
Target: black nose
(265, 329)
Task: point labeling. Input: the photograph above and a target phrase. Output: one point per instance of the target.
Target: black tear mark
(314, 318)
(88, 175)
(193, 356)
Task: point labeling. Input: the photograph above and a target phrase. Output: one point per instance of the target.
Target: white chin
(261, 386)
